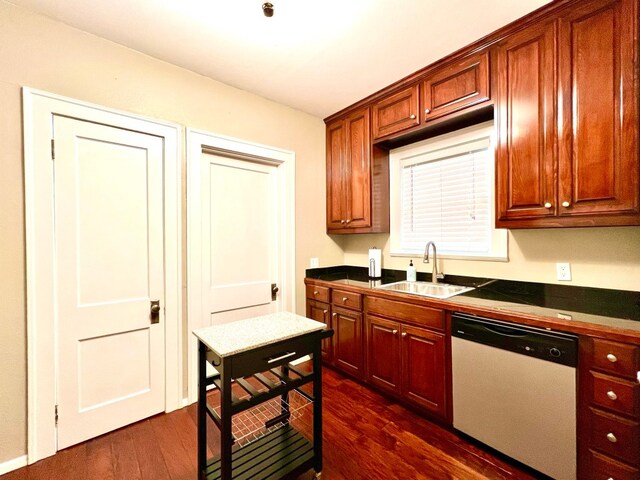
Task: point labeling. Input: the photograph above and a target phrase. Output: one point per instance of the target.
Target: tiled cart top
(236, 337)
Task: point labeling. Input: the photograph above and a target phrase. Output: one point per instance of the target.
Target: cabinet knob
(344, 299)
(342, 221)
(612, 395)
(404, 334)
(612, 358)
(547, 205)
(611, 437)
(334, 315)
(324, 312)
(316, 292)
(427, 111)
(395, 332)
(412, 116)
(347, 221)
(565, 204)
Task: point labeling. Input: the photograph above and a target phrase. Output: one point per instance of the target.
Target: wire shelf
(255, 423)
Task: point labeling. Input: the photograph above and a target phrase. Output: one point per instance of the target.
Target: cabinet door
(357, 170)
(598, 148)
(456, 87)
(524, 78)
(336, 209)
(320, 312)
(423, 369)
(396, 112)
(383, 353)
(347, 341)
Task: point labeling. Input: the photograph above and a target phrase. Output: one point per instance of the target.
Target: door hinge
(56, 415)
(53, 149)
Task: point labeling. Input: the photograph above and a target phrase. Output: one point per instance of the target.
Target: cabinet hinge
(56, 415)
(53, 149)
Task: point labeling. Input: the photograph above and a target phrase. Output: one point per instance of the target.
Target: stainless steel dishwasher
(514, 389)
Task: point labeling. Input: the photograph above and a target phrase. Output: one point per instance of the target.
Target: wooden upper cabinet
(396, 112)
(598, 138)
(456, 87)
(336, 209)
(357, 177)
(349, 172)
(567, 119)
(357, 171)
(524, 79)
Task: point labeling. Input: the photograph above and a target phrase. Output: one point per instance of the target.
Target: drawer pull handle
(334, 315)
(612, 358)
(611, 437)
(547, 205)
(281, 357)
(404, 334)
(344, 299)
(324, 312)
(395, 332)
(612, 395)
(316, 292)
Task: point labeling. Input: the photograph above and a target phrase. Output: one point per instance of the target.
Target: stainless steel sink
(426, 289)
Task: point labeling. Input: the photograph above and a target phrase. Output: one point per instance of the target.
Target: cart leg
(202, 399)
(317, 410)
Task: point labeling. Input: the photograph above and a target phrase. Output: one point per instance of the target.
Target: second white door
(240, 228)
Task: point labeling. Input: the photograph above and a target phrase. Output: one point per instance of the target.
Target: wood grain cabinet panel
(598, 139)
(396, 112)
(615, 436)
(524, 77)
(347, 341)
(423, 369)
(600, 467)
(456, 87)
(383, 353)
(321, 312)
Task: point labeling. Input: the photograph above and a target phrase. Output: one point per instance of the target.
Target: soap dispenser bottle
(411, 272)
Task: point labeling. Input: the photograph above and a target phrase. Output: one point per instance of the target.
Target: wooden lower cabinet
(347, 341)
(609, 410)
(321, 312)
(408, 362)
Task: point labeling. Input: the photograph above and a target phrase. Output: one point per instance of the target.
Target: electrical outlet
(564, 271)
(314, 262)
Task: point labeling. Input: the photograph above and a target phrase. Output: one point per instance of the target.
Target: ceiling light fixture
(267, 9)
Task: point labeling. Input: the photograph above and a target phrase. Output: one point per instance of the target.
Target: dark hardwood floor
(366, 436)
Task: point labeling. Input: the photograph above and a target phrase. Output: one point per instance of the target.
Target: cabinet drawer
(615, 436)
(346, 299)
(416, 314)
(604, 468)
(321, 294)
(396, 112)
(619, 358)
(616, 394)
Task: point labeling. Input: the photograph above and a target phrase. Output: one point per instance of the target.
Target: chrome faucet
(435, 276)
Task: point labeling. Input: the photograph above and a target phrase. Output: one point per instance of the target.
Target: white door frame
(38, 110)
(197, 142)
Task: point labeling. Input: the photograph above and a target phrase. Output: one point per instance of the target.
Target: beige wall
(50, 56)
(599, 257)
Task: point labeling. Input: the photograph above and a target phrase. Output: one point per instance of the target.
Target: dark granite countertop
(618, 309)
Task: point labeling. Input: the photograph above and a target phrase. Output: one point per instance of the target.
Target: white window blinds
(442, 190)
(445, 197)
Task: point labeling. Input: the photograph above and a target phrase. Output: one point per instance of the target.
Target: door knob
(274, 291)
(154, 311)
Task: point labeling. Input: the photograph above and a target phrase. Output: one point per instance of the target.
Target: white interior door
(240, 226)
(109, 267)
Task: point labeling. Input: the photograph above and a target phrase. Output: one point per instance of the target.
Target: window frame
(499, 237)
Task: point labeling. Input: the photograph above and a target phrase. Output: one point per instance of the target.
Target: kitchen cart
(262, 398)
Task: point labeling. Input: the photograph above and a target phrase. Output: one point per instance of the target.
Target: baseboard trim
(14, 464)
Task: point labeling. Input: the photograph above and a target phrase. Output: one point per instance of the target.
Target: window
(442, 189)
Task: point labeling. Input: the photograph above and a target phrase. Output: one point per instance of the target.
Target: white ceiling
(317, 56)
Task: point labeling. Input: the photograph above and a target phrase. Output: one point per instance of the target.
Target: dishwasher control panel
(556, 347)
